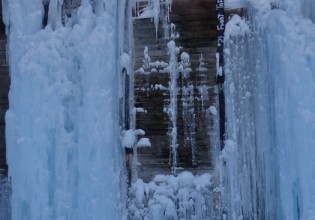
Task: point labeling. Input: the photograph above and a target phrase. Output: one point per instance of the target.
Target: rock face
(4, 90)
(193, 26)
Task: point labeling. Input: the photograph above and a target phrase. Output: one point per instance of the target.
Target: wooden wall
(196, 24)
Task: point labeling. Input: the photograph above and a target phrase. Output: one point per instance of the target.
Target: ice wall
(268, 161)
(62, 125)
(305, 8)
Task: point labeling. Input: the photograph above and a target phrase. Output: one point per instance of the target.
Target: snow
(213, 110)
(236, 27)
(141, 110)
(129, 139)
(172, 197)
(139, 132)
(144, 142)
(125, 61)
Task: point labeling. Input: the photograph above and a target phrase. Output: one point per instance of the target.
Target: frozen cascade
(267, 164)
(62, 126)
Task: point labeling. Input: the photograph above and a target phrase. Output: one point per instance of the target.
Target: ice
(65, 148)
(173, 51)
(308, 9)
(152, 10)
(231, 4)
(62, 127)
(267, 163)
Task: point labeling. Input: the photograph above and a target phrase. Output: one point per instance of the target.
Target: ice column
(62, 130)
(248, 160)
(268, 158)
(172, 109)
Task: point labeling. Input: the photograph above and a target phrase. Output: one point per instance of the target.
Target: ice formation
(267, 163)
(62, 126)
(173, 51)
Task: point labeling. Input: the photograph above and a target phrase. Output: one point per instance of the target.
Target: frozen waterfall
(268, 160)
(63, 131)
(62, 127)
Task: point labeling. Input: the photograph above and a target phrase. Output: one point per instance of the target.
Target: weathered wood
(196, 24)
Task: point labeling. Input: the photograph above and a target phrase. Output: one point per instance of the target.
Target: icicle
(55, 13)
(188, 105)
(156, 12)
(147, 59)
(172, 111)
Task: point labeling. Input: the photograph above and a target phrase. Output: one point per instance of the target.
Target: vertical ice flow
(172, 110)
(62, 125)
(267, 162)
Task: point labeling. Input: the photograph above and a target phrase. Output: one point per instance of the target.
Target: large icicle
(172, 109)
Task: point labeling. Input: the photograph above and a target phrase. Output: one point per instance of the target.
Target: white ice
(62, 131)
(268, 161)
